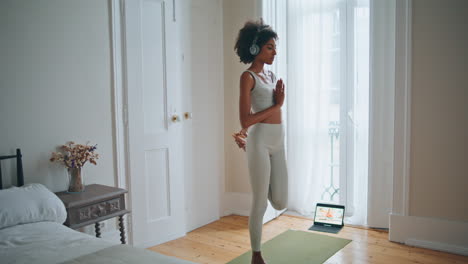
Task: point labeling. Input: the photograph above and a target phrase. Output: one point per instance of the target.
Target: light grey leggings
(268, 174)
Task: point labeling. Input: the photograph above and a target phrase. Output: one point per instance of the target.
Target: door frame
(120, 104)
(402, 158)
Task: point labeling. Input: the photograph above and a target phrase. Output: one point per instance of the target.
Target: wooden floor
(228, 238)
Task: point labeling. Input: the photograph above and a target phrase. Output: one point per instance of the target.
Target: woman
(262, 93)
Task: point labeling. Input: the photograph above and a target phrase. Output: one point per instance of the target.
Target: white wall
(55, 85)
(439, 144)
(206, 70)
(430, 205)
(237, 190)
(235, 14)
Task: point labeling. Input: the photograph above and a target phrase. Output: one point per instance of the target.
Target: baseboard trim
(237, 203)
(437, 234)
(200, 224)
(438, 246)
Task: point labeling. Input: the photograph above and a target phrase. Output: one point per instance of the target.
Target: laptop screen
(329, 214)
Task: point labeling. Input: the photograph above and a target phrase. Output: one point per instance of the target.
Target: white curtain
(310, 75)
(360, 114)
(327, 92)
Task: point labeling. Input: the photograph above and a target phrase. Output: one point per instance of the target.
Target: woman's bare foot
(257, 258)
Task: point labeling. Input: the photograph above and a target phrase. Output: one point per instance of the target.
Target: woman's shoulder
(247, 78)
(248, 75)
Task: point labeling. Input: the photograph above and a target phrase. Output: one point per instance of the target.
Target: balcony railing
(331, 191)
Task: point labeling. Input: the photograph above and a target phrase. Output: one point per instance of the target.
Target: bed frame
(19, 168)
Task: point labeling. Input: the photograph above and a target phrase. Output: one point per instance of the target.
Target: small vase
(75, 180)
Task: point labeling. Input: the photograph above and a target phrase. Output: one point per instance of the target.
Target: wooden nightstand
(96, 203)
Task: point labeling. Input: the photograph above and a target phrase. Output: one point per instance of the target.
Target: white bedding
(31, 231)
(51, 242)
(46, 242)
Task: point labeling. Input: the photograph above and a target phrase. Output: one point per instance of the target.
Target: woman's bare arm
(248, 119)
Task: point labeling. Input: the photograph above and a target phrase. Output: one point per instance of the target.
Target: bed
(32, 231)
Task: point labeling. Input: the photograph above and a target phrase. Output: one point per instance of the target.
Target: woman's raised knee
(279, 204)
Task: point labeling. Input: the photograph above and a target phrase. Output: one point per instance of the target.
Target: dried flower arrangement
(74, 157)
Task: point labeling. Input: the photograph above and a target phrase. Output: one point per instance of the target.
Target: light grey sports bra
(261, 95)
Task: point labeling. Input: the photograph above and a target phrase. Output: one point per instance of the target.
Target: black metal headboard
(19, 168)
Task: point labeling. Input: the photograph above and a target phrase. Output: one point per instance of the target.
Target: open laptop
(328, 218)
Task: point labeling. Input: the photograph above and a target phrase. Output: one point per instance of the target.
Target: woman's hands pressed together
(279, 93)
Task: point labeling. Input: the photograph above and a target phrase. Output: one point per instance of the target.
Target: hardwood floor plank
(227, 238)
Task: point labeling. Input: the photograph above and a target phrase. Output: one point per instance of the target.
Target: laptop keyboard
(328, 229)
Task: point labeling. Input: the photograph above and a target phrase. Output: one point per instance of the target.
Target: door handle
(188, 115)
(175, 118)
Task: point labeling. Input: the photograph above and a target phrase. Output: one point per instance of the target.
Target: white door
(155, 161)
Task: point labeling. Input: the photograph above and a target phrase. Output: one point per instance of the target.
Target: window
(324, 46)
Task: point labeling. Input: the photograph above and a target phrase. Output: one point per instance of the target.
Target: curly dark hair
(247, 35)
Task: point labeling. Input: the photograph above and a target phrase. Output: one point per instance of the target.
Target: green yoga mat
(296, 247)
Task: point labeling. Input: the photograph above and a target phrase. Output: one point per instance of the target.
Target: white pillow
(28, 204)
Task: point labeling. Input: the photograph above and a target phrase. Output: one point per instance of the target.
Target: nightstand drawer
(95, 211)
(98, 211)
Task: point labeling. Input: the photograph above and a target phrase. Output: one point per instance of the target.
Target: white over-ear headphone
(254, 48)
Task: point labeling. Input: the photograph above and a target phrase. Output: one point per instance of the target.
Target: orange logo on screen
(329, 214)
